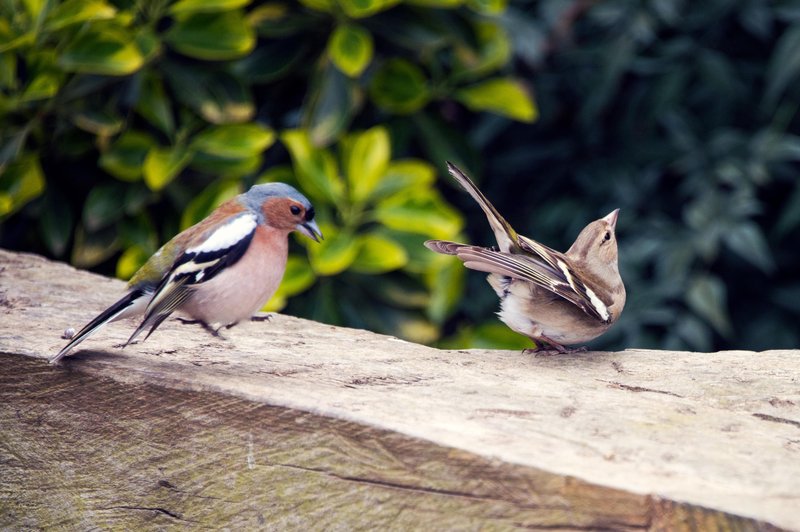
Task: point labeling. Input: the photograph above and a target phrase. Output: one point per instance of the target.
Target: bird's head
(597, 243)
(283, 207)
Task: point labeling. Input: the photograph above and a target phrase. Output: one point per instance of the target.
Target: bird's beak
(311, 230)
(611, 218)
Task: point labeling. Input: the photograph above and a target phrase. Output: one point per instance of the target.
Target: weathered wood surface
(294, 424)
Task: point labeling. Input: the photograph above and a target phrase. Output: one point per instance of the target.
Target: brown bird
(551, 297)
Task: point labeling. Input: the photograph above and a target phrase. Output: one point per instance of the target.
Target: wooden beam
(294, 424)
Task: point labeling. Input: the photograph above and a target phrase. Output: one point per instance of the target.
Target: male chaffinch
(218, 271)
(553, 298)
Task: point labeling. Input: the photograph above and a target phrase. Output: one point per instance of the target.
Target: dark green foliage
(122, 122)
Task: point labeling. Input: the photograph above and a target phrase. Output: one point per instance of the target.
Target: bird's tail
(445, 247)
(503, 232)
(115, 311)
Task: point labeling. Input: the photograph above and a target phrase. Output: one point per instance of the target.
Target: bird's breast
(242, 289)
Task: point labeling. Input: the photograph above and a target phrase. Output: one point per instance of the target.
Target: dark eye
(295, 209)
(607, 236)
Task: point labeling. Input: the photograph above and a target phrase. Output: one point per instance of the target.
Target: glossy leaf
(747, 241)
(162, 165)
(109, 52)
(490, 52)
(426, 214)
(43, 86)
(365, 8)
(503, 96)
(224, 166)
(334, 254)
(56, 224)
(315, 169)
(212, 36)
(488, 7)
(446, 281)
(707, 297)
(154, 105)
(234, 141)
(100, 123)
(125, 158)
(130, 261)
(378, 254)
(784, 65)
(77, 11)
(216, 96)
(92, 248)
(399, 87)
(206, 6)
(365, 160)
(350, 48)
(102, 207)
(209, 199)
(404, 174)
(20, 182)
(330, 106)
(270, 61)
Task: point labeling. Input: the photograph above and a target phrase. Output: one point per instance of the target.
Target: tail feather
(503, 232)
(445, 247)
(112, 313)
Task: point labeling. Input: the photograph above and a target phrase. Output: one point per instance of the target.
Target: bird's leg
(265, 317)
(228, 326)
(187, 321)
(548, 347)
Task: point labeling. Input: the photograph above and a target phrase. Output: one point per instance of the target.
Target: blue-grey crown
(255, 197)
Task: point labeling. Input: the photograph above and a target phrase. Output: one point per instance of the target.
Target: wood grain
(295, 424)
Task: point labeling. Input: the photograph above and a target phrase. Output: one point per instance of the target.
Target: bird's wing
(561, 280)
(503, 232)
(210, 253)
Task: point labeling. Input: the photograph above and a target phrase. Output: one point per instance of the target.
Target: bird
(217, 272)
(556, 299)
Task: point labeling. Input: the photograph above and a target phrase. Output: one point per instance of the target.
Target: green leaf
(378, 254)
(102, 207)
(110, 52)
(43, 86)
(425, 213)
(365, 160)
(491, 51)
(100, 123)
(206, 6)
(277, 19)
(446, 281)
(225, 167)
(365, 8)
(502, 96)
(126, 156)
(747, 241)
(330, 107)
(706, 296)
(209, 199)
(77, 11)
(488, 7)
(350, 48)
(326, 6)
(162, 165)
(334, 254)
(216, 96)
(55, 224)
(399, 87)
(445, 4)
(404, 175)
(234, 141)
(20, 182)
(92, 248)
(212, 36)
(8, 71)
(131, 260)
(153, 104)
(269, 62)
(784, 65)
(315, 169)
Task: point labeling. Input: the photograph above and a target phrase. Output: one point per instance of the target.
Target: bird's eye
(607, 236)
(295, 209)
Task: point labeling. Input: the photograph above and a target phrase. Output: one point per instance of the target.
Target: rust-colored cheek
(277, 213)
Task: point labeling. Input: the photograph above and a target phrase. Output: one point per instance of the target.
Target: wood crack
(630, 388)
(156, 509)
(776, 419)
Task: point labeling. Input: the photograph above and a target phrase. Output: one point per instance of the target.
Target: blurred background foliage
(124, 121)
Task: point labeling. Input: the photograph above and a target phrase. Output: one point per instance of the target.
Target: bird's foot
(211, 330)
(187, 321)
(548, 347)
(262, 317)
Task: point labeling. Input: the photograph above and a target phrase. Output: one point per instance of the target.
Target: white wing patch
(227, 235)
(601, 307)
